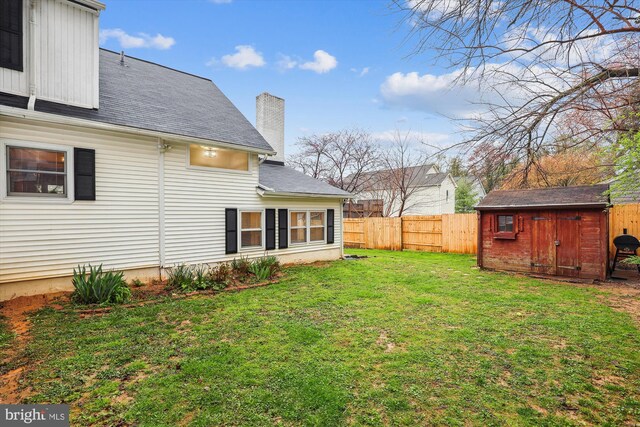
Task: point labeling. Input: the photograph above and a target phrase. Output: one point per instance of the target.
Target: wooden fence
(436, 233)
(452, 232)
(623, 217)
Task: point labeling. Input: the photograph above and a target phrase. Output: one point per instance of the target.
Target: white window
(298, 227)
(316, 226)
(307, 226)
(220, 158)
(36, 170)
(251, 229)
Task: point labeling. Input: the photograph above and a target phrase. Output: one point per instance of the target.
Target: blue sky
(337, 63)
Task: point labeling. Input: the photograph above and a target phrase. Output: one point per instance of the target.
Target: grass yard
(400, 338)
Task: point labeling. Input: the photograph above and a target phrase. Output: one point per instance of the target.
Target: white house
(115, 160)
(431, 192)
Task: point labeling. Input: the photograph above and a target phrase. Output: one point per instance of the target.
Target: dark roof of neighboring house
(149, 96)
(418, 174)
(283, 179)
(555, 197)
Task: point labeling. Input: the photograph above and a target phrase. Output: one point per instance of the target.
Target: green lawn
(400, 338)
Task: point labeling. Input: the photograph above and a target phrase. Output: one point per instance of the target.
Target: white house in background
(120, 161)
(432, 192)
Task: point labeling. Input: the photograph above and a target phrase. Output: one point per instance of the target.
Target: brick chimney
(270, 122)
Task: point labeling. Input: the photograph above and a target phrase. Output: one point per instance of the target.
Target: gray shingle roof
(559, 197)
(149, 96)
(418, 175)
(283, 179)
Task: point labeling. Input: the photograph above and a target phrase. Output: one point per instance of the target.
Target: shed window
(505, 223)
(34, 171)
(11, 55)
(251, 229)
(220, 158)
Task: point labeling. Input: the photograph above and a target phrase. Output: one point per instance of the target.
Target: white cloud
(245, 57)
(322, 62)
(140, 40)
(440, 94)
(360, 72)
(285, 62)
(427, 138)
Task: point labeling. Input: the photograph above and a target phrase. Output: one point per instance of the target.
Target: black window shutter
(330, 226)
(11, 52)
(84, 174)
(231, 231)
(283, 228)
(270, 226)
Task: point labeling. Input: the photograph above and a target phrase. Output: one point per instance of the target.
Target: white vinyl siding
(41, 239)
(120, 229)
(195, 203)
(66, 55)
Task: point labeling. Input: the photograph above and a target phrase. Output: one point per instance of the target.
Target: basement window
(251, 229)
(204, 156)
(36, 171)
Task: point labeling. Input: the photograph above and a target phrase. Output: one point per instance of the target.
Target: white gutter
(33, 57)
(65, 120)
(265, 191)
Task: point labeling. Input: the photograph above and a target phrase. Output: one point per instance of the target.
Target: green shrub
(220, 275)
(98, 287)
(265, 267)
(632, 260)
(180, 276)
(201, 278)
(137, 283)
(241, 266)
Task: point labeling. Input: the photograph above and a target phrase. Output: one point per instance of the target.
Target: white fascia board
(271, 193)
(65, 120)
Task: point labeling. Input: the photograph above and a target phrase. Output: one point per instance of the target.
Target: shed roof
(279, 179)
(149, 96)
(555, 197)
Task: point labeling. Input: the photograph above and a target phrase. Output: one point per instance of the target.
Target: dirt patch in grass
(17, 311)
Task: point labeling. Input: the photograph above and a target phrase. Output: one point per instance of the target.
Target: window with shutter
(330, 226)
(270, 229)
(231, 230)
(283, 228)
(11, 51)
(85, 174)
(35, 169)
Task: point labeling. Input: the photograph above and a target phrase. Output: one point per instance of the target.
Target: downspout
(33, 61)
(162, 148)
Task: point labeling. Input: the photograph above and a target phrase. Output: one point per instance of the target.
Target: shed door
(543, 250)
(568, 243)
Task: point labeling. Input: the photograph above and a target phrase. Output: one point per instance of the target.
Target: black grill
(626, 246)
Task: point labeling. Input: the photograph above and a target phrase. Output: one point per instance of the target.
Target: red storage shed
(562, 231)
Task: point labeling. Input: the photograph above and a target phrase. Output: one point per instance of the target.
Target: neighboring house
(431, 192)
(476, 185)
(115, 160)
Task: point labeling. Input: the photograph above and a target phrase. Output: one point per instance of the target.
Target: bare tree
(397, 181)
(539, 62)
(341, 158)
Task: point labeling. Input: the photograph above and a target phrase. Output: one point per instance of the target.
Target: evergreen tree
(466, 197)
